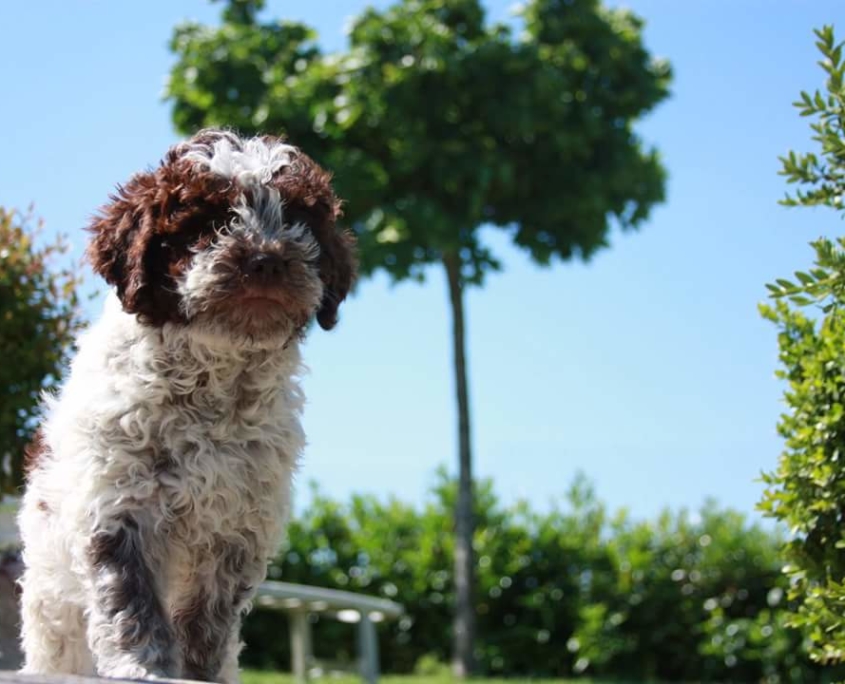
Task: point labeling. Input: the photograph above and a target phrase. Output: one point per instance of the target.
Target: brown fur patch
(204, 625)
(309, 198)
(142, 240)
(127, 592)
(35, 452)
(205, 620)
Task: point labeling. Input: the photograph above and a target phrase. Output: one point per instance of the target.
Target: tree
(436, 124)
(807, 491)
(39, 314)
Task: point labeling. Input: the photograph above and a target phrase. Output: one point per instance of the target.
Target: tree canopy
(436, 123)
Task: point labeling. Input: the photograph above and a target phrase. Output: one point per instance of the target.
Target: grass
(265, 677)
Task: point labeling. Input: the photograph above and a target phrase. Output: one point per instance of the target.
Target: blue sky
(649, 369)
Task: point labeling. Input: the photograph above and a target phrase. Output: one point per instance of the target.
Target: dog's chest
(223, 462)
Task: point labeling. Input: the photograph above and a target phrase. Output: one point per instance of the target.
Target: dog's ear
(120, 239)
(307, 193)
(338, 269)
(141, 240)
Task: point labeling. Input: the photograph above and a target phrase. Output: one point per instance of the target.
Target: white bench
(299, 600)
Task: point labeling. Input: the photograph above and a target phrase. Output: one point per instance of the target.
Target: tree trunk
(464, 622)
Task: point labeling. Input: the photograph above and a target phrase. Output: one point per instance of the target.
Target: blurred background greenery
(578, 589)
(438, 124)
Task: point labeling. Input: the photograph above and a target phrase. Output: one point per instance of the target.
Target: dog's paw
(133, 671)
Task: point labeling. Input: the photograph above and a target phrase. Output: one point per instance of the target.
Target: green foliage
(436, 122)
(572, 590)
(807, 491)
(758, 648)
(39, 315)
(822, 175)
(676, 588)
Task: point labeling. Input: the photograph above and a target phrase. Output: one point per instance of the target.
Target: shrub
(39, 315)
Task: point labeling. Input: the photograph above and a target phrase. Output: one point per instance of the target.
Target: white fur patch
(264, 220)
(252, 162)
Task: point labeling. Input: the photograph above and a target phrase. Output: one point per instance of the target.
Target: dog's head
(235, 236)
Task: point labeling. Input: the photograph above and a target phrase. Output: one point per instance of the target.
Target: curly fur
(159, 485)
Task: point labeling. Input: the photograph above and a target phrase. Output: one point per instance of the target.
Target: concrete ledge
(9, 677)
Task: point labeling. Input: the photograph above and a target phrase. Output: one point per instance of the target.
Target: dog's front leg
(208, 620)
(128, 631)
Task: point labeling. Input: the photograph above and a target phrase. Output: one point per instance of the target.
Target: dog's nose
(264, 267)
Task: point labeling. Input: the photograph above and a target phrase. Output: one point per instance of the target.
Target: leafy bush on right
(807, 490)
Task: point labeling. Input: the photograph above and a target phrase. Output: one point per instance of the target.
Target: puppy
(160, 482)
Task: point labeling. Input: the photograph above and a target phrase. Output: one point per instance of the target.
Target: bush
(39, 315)
(807, 491)
(570, 590)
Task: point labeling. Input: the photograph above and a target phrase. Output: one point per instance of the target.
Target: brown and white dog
(160, 485)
